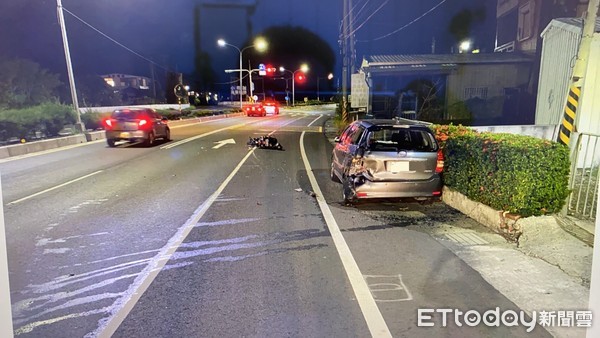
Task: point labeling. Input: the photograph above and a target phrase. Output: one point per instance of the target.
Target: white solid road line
(49, 151)
(54, 188)
(123, 306)
(375, 322)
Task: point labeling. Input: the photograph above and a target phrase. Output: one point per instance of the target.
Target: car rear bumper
(126, 135)
(387, 189)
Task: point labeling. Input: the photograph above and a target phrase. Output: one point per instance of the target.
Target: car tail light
(440, 162)
(108, 123)
(143, 123)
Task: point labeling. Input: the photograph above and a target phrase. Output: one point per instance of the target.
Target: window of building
(525, 21)
(475, 92)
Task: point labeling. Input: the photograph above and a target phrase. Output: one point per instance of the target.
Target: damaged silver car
(382, 159)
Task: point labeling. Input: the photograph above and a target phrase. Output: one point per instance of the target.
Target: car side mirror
(360, 152)
(337, 139)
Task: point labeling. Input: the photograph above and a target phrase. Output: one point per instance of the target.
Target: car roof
(393, 122)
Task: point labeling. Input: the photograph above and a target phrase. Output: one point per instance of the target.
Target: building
(489, 86)
(520, 22)
(122, 81)
(560, 46)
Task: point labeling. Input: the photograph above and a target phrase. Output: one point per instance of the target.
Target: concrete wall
(546, 132)
(32, 147)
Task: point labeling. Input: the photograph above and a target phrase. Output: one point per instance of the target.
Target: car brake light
(440, 162)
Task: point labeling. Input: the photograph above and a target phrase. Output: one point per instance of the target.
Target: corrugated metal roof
(443, 59)
(571, 24)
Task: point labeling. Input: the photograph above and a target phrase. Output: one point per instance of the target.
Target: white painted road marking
(387, 289)
(375, 322)
(49, 151)
(224, 142)
(190, 139)
(123, 305)
(54, 188)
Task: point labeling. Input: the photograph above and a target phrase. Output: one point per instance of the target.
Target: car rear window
(126, 114)
(396, 139)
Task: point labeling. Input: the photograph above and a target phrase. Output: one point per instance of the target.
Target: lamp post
(329, 77)
(303, 68)
(260, 44)
(61, 21)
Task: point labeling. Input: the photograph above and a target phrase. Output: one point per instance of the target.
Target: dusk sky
(163, 30)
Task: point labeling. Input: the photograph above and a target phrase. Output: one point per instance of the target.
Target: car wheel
(348, 193)
(150, 140)
(110, 142)
(168, 135)
(333, 176)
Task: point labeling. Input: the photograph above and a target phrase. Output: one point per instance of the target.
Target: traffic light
(300, 77)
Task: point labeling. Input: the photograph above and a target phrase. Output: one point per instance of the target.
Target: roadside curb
(541, 237)
(87, 137)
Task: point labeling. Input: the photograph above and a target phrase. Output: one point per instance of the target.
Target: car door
(347, 146)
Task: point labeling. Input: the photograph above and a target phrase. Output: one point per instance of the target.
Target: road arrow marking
(224, 142)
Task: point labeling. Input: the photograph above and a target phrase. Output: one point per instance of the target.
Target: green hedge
(514, 173)
(48, 118)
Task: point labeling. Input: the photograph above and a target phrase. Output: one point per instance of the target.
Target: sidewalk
(549, 269)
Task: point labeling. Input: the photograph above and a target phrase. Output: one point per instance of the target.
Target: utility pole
(570, 118)
(344, 38)
(61, 21)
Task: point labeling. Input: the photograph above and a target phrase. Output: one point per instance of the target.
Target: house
(520, 22)
(122, 81)
(489, 85)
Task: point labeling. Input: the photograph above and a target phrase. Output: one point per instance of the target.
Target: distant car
(271, 107)
(255, 109)
(136, 125)
(387, 159)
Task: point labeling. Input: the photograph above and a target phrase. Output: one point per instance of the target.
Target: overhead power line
(116, 42)
(408, 24)
(368, 18)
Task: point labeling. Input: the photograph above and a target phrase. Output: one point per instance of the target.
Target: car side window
(345, 135)
(357, 135)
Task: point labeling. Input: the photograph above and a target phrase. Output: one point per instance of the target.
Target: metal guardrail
(585, 177)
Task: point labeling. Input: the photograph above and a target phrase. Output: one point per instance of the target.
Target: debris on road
(265, 142)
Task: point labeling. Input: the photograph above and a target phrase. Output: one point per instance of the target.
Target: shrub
(48, 117)
(514, 173)
(446, 131)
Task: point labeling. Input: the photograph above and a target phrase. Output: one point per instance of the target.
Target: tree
(92, 91)
(25, 83)
(427, 97)
(290, 47)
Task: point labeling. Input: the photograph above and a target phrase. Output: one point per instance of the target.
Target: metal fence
(584, 178)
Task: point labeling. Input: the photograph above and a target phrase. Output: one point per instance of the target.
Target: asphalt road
(196, 238)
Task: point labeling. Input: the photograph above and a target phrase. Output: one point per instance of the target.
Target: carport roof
(442, 59)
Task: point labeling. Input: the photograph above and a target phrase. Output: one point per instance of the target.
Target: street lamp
(329, 77)
(304, 69)
(260, 44)
(465, 46)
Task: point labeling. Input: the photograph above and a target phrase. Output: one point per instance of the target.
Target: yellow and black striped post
(568, 122)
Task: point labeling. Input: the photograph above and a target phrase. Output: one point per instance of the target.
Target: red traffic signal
(270, 70)
(300, 77)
